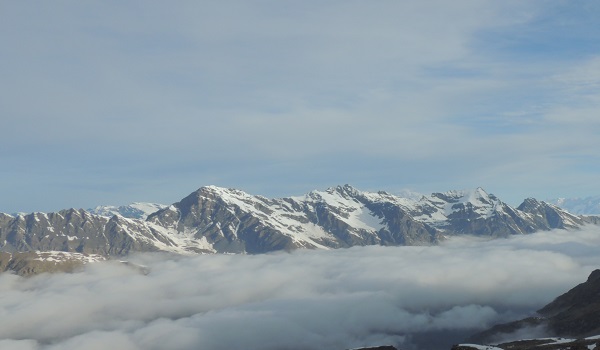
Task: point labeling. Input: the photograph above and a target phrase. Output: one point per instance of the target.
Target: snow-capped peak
(474, 196)
(344, 190)
(136, 210)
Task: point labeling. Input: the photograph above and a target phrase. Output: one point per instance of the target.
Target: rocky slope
(538, 344)
(572, 320)
(78, 231)
(32, 263)
(219, 220)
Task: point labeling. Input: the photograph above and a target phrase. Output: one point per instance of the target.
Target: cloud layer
(304, 300)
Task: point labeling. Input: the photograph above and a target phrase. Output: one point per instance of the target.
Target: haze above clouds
(111, 102)
(337, 299)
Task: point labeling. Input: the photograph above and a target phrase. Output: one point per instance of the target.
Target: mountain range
(220, 220)
(580, 206)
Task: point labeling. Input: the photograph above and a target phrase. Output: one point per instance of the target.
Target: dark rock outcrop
(575, 314)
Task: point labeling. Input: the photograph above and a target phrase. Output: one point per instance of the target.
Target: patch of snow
(311, 233)
(58, 256)
(363, 218)
(183, 242)
(561, 340)
(481, 347)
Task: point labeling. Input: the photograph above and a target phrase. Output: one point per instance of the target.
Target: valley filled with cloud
(419, 297)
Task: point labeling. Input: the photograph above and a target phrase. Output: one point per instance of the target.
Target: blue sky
(110, 102)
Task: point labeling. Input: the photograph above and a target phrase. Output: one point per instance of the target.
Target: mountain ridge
(213, 219)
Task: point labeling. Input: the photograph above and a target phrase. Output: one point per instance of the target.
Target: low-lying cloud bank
(304, 300)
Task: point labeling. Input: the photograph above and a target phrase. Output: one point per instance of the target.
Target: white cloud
(307, 299)
(19, 344)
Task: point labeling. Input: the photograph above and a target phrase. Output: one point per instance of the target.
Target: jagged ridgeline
(219, 220)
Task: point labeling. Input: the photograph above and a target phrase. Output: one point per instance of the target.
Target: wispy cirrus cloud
(149, 102)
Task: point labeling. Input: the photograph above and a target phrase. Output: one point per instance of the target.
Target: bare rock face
(591, 219)
(547, 216)
(78, 231)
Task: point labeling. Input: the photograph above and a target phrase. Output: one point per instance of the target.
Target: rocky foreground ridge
(219, 220)
(571, 321)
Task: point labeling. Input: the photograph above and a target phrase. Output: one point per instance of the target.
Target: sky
(111, 102)
(416, 298)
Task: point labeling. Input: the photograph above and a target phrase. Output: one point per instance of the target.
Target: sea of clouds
(411, 297)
